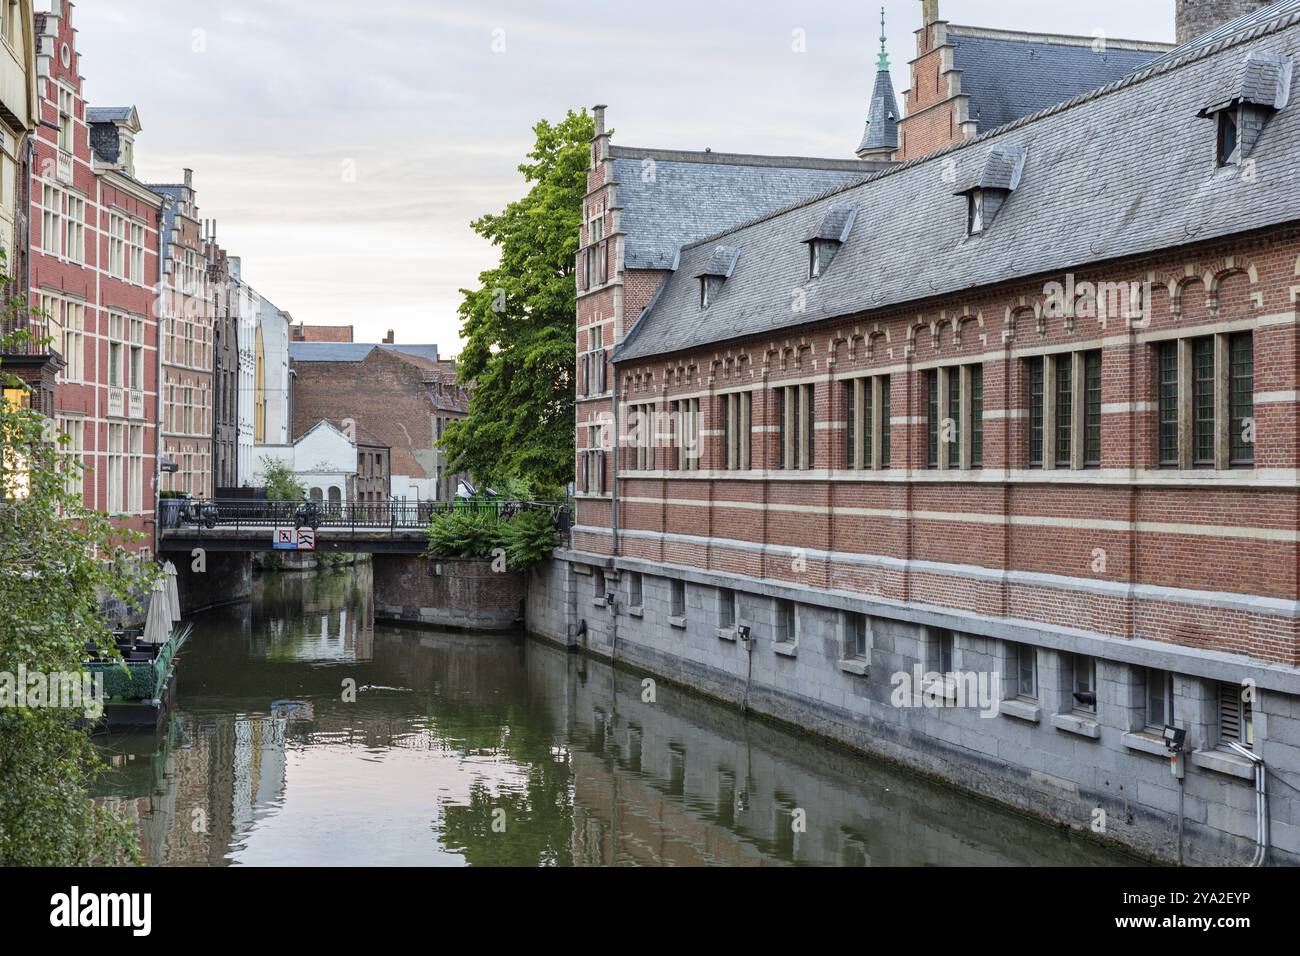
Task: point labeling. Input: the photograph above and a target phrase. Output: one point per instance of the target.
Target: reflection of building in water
(314, 617)
(259, 770)
(683, 782)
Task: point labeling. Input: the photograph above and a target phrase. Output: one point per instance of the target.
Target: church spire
(883, 66)
(880, 139)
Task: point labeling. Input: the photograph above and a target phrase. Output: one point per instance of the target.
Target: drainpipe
(613, 483)
(1261, 802)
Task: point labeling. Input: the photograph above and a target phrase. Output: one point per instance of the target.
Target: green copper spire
(884, 56)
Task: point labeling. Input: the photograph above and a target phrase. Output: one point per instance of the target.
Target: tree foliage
(281, 484)
(58, 563)
(519, 324)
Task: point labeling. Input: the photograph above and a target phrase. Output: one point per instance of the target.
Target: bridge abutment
(210, 579)
(449, 592)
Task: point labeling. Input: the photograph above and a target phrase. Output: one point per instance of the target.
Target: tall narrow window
(736, 409)
(1227, 136)
(677, 599)
(689, 450)
(1203, 402)
(796, 427)
(1064, 411)
(1241, 422)
(976, 416)
(787, 622)
(855, 636)
(1092, 409)
(1084, 684)
(866, 442)
(726, 608)
(1167, 361)
(1035, 369)
(635, 589)
(932, 417)
(951, 449)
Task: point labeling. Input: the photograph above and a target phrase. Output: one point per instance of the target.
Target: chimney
(929, 12)
(599, 113)
(1198, 17)
(388, 339)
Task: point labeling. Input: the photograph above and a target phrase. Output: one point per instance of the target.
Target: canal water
(470, 749)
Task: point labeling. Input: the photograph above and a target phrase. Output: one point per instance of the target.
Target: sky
(344, 147)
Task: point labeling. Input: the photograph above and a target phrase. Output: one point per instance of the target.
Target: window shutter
(582, 377)
(582, 270)
(582, 470)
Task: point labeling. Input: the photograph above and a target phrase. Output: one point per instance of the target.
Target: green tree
(58, 562)
(281, 485)
(518, 325)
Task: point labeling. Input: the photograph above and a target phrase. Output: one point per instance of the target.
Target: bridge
(408, 587)
(353, 527)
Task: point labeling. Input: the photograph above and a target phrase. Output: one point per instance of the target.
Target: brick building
(401, 395)
(1023, 407)
(93, 268)
(321, 333)
(187, 332)
(223, 294)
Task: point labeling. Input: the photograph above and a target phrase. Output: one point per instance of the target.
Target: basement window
(1236, 719)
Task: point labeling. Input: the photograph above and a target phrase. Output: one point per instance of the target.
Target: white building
(271, 388)
(324, 460)
(247, 305)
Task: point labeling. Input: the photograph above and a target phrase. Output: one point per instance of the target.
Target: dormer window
(716, 271)
(820, 252)
(989, 184)
(831, 233)
(1227, 137)
(1261, 89)
(975, 213)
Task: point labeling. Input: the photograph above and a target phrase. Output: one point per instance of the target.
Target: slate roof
(1118, 172)
(882, 116)
(693, 195)
(1010, 75)
(1000, 169)
(109, 114)
(169, 212)
(353, 351)
(1256, 18)
(836, 224)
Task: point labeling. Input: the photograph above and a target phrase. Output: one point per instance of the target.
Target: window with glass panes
(866, 403)
(954, 397)
(1160, 698)
(1026, 661)
(689, 449)
(796, 427)
(1036, 410)
(1084, 684)
(1205, 401)
(1064, 411)
(855, 636)
(736, 408)
(726, 607)
(1064, 420)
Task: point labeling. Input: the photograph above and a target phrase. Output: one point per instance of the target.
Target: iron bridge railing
(355, 515)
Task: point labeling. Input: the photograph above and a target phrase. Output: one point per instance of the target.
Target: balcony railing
(117, 402)
(63, 168)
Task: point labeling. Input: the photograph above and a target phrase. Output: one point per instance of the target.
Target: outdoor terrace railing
(354, 515)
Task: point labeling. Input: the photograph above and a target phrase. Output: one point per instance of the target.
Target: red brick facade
(94, 266)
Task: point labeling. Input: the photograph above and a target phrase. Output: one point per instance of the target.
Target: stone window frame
(867, 444)
(688, 448)
(796, 415)
(736, 411)
(968, 402)
(1083, 428)
(1177, 396)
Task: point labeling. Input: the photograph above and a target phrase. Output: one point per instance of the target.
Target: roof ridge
(1133, 79)
(1120, 43)
(709, 157)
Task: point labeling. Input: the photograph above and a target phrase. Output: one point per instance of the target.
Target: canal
(467, 749)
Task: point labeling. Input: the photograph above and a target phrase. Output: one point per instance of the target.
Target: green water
(466, 749)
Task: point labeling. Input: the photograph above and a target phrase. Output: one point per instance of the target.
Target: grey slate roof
(721, 262)
(1115, 173)
(169, 211)
(108, 114)
(1252, 20)
(1000, 169)
(882, 117)
(1265, 80)
(1009, 77)
(674, 198)
(353, 351)
(836, 224)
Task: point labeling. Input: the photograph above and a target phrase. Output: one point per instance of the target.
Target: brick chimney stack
(1198, 17)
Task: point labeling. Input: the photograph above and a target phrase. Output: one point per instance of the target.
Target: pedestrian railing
(355, 515)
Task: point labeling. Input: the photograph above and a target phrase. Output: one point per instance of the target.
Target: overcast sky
(343, 147)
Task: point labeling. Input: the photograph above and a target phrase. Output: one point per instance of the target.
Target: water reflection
(461, 749)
